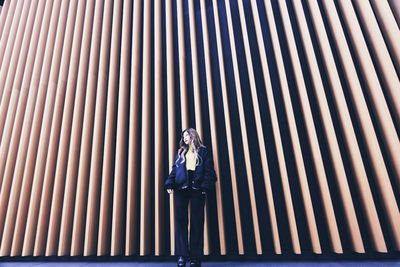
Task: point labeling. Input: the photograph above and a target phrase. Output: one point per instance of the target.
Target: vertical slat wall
(298, 102)
(1, 5)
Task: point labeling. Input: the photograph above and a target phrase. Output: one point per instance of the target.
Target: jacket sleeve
(209, 172)
(170, 180)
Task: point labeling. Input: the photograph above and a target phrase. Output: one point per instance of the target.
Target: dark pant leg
(181, 222)
(197, 201)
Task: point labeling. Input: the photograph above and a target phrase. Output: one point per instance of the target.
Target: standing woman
(190, 179)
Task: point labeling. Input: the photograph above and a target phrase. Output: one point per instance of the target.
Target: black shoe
(181, 261)
(195, 263)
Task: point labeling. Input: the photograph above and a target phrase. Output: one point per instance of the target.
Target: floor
(228, 263)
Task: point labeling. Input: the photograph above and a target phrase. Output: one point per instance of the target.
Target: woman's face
(186, 138)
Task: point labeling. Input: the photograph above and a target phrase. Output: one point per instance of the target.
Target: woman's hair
(194, 136)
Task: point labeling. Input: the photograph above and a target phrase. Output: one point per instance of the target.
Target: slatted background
(299, 102)
(1, 4)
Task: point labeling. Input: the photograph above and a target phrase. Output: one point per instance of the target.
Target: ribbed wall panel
(299, 102)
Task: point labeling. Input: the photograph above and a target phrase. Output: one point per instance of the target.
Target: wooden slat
(72, 185)
(370, 72)
(93, 209)
(351, 139)
(281, 159)
(120, 155)
(3, 75)
(134, 131)
(43, 146)
(382, 113)
(78, 231)
(145, 174)
(395, 6)
(311, 133)
(330, 134)
(308, 207)
(228, 129)
(172, 139)
(182, 65)
(3, 15)
(49, 175)
(29, 83)
(9, 21)
(14, 120)
(9, 200)
(104, 239)
(243, 127)
(44, 96)
(9, 60)
(348, 128)
(213, 126)
(386, 66)
(13, 131)
(159, 191)
(64, 138)
(29, 40)
(390, 30)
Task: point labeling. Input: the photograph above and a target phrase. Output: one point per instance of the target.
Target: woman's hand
(170, 191)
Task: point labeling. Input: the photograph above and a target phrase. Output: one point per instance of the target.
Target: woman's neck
(191, 146)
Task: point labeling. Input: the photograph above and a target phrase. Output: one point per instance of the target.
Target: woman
(190, 179)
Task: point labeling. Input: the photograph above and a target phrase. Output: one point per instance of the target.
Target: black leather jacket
(203, 175)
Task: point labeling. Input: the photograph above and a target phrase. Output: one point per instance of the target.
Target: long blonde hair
(197, 143)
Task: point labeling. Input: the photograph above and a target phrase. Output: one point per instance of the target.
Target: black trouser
(197, 200)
